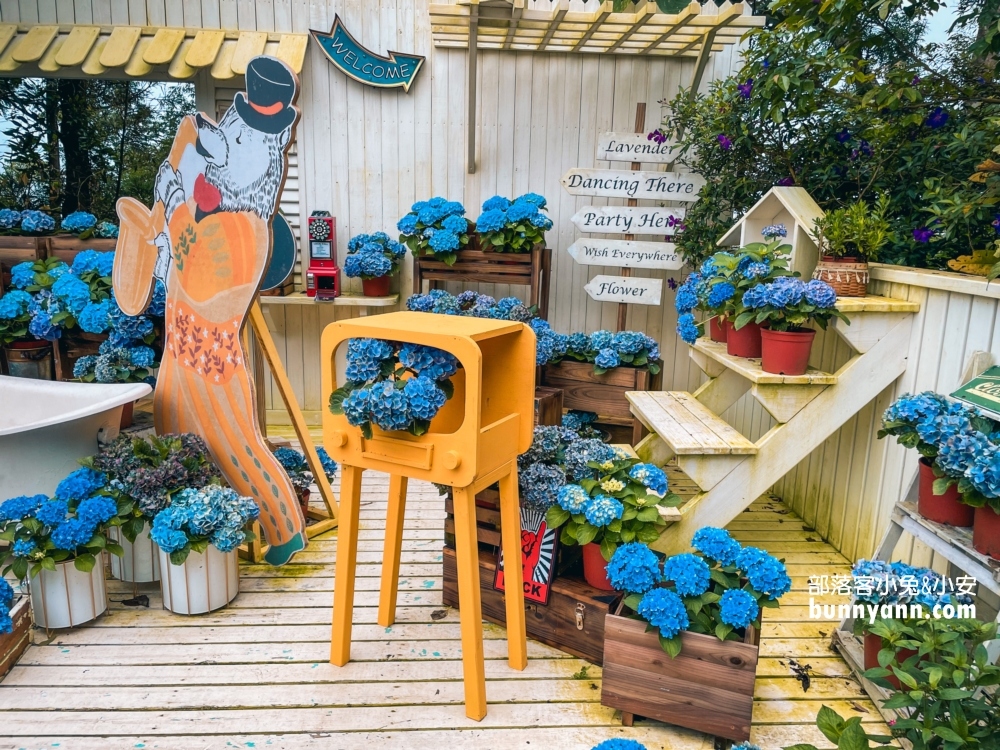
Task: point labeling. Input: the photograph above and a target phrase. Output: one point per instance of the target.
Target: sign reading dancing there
(615, 183)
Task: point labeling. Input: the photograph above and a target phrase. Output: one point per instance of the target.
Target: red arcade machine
(322, 276)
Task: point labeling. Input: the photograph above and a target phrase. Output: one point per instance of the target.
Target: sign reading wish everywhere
(363, 65)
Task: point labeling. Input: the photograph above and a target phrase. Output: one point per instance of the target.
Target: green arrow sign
(982, 391)
(363, 65)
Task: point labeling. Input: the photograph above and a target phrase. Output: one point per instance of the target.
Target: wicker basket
(847, 279)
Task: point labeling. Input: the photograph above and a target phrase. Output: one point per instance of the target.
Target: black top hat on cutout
(267, 104)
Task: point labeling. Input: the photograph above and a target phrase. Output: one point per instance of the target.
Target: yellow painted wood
(686, 425)
(205, 48)
(395, 512)
(120, 45)
(347, 559)
(77, 46)
(853, 305)
(7, 32)
(248, 46)
(178, 66)
(471, 611)
(92, 65)
(48, 62)
(31, 46)
(222, 68)
(292, 49)
(164, 46)
(510, 530)
(137, 66)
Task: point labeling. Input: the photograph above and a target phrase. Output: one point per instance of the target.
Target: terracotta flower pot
(786, 352)
(744, 342)
(376, 287)
(986, 532)
(595, 567)
(873, 644)
(304, 501)
(946, 508)
(718, 329)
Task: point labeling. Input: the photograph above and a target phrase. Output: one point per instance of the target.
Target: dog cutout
(208, 238)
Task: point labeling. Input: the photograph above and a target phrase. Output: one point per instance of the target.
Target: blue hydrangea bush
(610, 350)
(6, 605)
(612, 498)
(436, 228)
(373, 256)
(513, 226)
(32, 222)
(42, 531)
(197, 517)
(789, 304)
(295, 465)
(719, 590)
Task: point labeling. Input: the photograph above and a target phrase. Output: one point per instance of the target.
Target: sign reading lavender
(635, 147)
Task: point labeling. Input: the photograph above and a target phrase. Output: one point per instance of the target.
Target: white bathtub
(47, 426)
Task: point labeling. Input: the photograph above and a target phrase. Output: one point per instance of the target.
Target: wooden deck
(256, 675)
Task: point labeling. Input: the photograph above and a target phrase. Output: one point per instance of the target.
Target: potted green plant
(849, 238)
(295, 465)
(618, 502)
(783, 308)
(375, 259)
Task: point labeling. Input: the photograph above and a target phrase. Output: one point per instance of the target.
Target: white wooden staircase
(733, 471)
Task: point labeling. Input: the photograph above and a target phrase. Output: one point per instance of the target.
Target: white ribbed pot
(65, 597)
(140, 562)
(204, 583)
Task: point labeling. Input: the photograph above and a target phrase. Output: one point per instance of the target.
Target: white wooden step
(872, 303)
(712, 357)
(686, 425)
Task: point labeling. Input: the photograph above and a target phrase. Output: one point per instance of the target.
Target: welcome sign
(363, 65)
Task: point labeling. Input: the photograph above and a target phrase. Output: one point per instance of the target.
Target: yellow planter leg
(392, 550)
(347, 558)
(470, 602)
(510, 529)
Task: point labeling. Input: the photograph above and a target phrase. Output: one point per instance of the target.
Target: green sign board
(982, 391)
(363, 65)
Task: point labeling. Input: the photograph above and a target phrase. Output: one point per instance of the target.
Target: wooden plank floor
(256, 675)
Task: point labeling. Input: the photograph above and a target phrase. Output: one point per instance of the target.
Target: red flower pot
(744, 342)
(786, 352)
(595, 567)
(873, 644)
(718, 329)
(376, 287)
(985, 532)
(946, 508)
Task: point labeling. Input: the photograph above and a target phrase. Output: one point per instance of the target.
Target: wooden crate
(604, 394)
(486, 267)
(707, 687)
(65, 247)
(13, 644)
(548, 405)
(572, 621)
(16, 249)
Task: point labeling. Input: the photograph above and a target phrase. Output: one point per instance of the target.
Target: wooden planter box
(16, 249)
(548, 406)
(72, 345)
(573, 621)
(707, 687)
(479, 267)
(67, 246)
(604, 394)
(13, 644)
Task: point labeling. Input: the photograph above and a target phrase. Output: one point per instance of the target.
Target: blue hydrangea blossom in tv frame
(71, 526)
(373, 256)
(513, 226)
(722, 587)
(395, 386)
(426, 219)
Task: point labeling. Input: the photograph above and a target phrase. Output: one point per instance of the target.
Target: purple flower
(672, 282)
(765, 64)
(923, 234)
(915, 81)
(996, 223)
(786, 181)
(657, 136)
(866, 148)
(937, 118)
(746, 89)
(724, 142)
(843, 136)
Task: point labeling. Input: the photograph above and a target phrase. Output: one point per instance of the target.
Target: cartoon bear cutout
(208, 238)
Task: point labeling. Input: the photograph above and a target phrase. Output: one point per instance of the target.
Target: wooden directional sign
(625, 289)
(628, 219)
(626, 254)
(616, 183)
(634, 147)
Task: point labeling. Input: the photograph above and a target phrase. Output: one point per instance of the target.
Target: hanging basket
(141, 561)
(204, 582)
(66, 597)
(847, 279)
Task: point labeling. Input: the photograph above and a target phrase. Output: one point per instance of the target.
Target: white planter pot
(141, 561)
(204, 583)
(66, 596)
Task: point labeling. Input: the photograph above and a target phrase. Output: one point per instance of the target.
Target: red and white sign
(538, 551)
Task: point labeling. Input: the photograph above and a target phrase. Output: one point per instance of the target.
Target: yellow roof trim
(140, 51)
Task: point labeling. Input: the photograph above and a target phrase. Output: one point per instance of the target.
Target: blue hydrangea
(756, 297)
(97, 510)
(127, 328)
(42, 327)
(22, 275)
(72, 534)
(52, 512)
(634, 568)
(577, 420)
(21, 507)
(534, 198)
(354, 244)
(491, 221)
(540, 221)
(455, 224)
(444, 242)
(913, 409)
(407, 225)
(365, 357)
(423, 397)
(167, 539)
(774, 230)
(651, 477)
(290, 459)
(22, 548)
(628, 342)
(73, 292)
(106, 230)
(496, 203)
(664, 610)
(582, 452)
(428, 361)
(357, 407)
(716, 544)
(985, 473)
(602, 510)
(35, 222)
(328, 464)
(9, 218)
(81, 484)
(572, 498)
(578, 342)
(79, 221)
(601, 340)
(84, 262)
(619, 743)
(607, 358)
(785, 291)
(686, 299)
(95, 317)
(14, 304)
(521, 210)
(141, 356)
(745, 746)
(690, 574)
(767, 574)
(6, 594)
(539, 485)
(687, 328)
(720, 293)
(389, 407)
(820, 294)
(757, 270)
(738, 608)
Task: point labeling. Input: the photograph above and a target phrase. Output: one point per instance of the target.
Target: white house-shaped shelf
(791, 206)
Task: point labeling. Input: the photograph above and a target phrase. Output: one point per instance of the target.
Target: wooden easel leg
(470, 602)
(347, 558)
(510, 530)
(392, 550)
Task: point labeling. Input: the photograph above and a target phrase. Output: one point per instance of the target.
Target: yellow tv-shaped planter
(482, 428)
